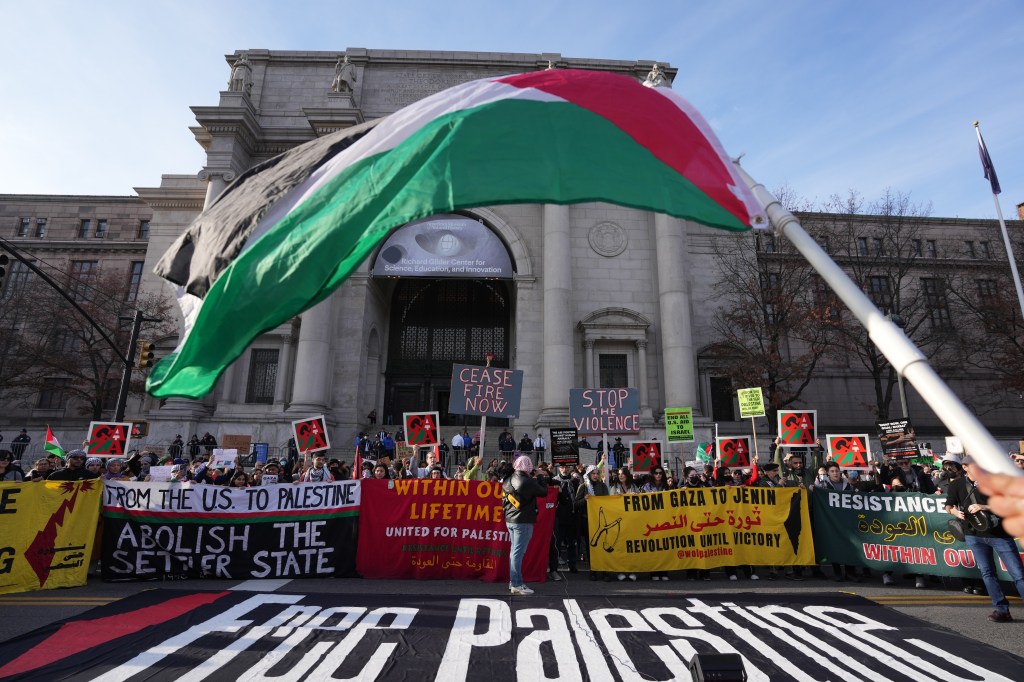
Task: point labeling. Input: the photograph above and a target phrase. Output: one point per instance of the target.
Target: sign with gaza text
(699, 528)
(898, 438)
(47, 532)
(797, 427)
(905, 532)
(849, 450)
(679, 424)
(421, 428)
(565, 446)
(751, 402)
(444, 529)
(644, 455)
(108, 439)
(735, 451)
(243, 635)
(311, 434)
(605, 410)
(486, 391)
(163, 531)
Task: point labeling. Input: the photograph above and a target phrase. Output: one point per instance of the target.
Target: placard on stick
(565, 446)
(751, 402)
(421, 428)
(734, 450)
(108, 439)
(798, 427)
(644, 455)
(679, 424)
(311, 434)
(849, 450)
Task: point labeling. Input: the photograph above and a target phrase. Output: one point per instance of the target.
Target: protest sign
(604, 410)
(240, 442)
(644, 455)
(849, 450)
(485, 391)
(108, 439)
(954, 446)
(565, 447)
(797, 427)
(223, 458)
(751, 402)
(160, 474)
(421, 428)
(734, 450)
(311, 434)
(898, 438)
(260, 451)
(679, 424)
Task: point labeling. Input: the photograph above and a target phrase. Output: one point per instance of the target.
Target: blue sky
(822, 96)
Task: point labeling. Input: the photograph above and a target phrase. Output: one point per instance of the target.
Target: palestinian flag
(52, 445)
(287, 233)
(705, 452)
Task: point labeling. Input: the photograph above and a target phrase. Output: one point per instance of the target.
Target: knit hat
(93, 460)
(950, 457)
(591, 469)
(523, 463)
(76, 453)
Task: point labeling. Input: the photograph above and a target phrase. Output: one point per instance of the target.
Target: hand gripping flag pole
(899, 350)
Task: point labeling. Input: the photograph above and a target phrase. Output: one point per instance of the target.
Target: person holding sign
(318, 473)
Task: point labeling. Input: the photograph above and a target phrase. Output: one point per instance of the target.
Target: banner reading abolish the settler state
(891, 532)
(46, 533)
(159, 531)
(699, 528)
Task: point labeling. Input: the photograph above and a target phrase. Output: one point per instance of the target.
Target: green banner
(903, 532)
(751, 402)
(679, 424)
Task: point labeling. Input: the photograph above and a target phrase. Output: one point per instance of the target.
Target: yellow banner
(700, 528)
(47, 532)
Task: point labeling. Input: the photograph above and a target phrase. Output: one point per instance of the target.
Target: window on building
(262, 376)
(862, 246)
(915, 248)
(15, 280)
(722, 409)
(41, 228)
(986, 249)
(101, 229)
(111, 392)
(83, 275)
(825, 300)
(880, 291)
(64, 341)
(930, 249)
(143, 229)
(936, 302)
(770, 294)
(877, 248)
(54, 394)
(24, 226)
(613, 372)
(766, 242)
(823, 243)
(84, 228)
(969, 249)
(134, 280)
(989, 305)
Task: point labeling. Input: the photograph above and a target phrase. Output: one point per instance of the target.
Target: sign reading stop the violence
(605, 410)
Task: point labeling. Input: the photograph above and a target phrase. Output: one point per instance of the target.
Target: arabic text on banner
(159, 531)
(891, 532)
(47, 531)
(699, 528)
(444, 529)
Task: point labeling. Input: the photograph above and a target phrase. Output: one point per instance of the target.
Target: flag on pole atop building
(986, 161)
(52, 445)
(287, 233)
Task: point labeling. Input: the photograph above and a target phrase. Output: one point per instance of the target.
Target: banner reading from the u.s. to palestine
(699, 528)
(905, 532)
(445, 529)
(47, 532)
(161, 531)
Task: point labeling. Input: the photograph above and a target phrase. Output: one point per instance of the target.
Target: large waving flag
(287, 233)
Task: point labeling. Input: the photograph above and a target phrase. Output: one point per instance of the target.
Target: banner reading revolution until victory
(699, 528)
(891, 532)
(159, 531)
(444, 529)
(47, 532)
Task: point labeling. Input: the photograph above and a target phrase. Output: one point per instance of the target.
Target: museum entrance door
(436, 323)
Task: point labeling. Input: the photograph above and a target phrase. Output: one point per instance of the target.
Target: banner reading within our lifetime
(444, 529)
(46, 533)
(905, 532)
(160, 531)
(699, 528)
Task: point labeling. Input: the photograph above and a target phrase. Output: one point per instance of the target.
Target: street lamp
(899, 322)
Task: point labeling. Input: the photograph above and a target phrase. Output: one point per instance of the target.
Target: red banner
(444, 529)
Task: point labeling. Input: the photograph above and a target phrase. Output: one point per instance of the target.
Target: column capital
(641, 344)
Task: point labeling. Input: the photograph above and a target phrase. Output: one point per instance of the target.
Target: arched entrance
(434, 324)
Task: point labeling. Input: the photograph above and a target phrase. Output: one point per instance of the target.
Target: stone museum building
(587, 295)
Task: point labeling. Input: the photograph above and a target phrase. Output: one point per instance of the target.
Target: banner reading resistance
(46, 533)
(699, 528)
(161, 531)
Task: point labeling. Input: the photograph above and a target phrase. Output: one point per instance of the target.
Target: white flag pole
(1002, 226)
(899, 350)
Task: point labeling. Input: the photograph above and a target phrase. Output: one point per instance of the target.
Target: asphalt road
(944, 605)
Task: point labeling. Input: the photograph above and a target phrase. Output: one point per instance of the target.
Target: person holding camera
(984, 535)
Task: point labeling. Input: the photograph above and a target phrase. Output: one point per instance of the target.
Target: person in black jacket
(520, 505)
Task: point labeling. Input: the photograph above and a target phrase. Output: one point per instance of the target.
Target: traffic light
(145, 354)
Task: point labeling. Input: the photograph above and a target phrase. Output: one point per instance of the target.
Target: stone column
(589, 346)
(678, 361)
(314, 364)
(283, 370)
(558, 326)
(641, 371)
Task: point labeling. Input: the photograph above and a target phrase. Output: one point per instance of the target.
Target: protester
(835, 482)
(115, 471)
(520, 507)
(318, 473)
(1006, 498)
(593, 484)
(76, 470)
(380, 471)
(40, 471)
(239, 479)
(566, 535)
(8, 472)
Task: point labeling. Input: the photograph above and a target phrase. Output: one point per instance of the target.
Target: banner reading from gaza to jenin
(699, 528)
(46, 534)
(904, 532)
(160, 531)
(445, 529)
